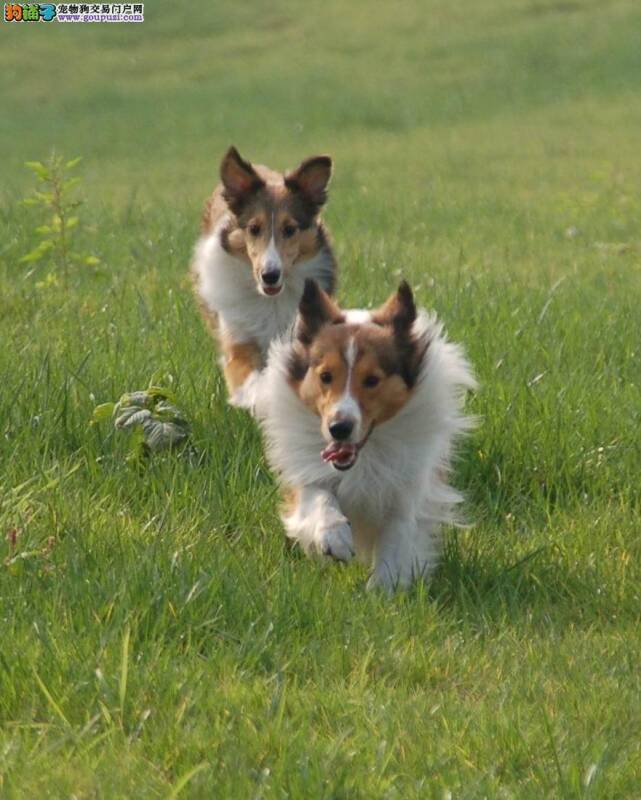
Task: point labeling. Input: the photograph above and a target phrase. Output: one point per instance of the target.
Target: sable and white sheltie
(360, 411)
(261, 238)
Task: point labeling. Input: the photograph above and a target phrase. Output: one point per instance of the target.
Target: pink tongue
(338, 451)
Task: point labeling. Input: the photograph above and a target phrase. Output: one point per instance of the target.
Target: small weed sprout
(150, 416)
(55, 196)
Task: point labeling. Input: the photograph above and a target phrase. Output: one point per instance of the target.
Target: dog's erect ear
(399, 311)
(310, 181)
(316, 309)
(240, 180)
(298, 363)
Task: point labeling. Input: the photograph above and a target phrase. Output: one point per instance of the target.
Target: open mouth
(271, 291)
(342, 455)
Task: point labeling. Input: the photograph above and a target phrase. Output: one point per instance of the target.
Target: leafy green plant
(55, 196)
(152, 418)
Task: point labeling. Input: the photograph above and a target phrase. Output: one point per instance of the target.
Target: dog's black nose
(270, 276)
(341, 430)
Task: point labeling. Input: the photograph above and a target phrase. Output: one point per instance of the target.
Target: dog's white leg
(407, 550)
(319, 526)
(247, 395)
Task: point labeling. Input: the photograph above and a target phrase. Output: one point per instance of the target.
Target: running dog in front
(360, 412)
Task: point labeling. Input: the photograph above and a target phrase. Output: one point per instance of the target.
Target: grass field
(157, 637)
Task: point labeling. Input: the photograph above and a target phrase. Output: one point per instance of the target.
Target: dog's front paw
(246, 396)
(389, 578)
(383, 581)
(337, 542)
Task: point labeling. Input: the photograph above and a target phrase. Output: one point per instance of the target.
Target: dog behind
(261, 238)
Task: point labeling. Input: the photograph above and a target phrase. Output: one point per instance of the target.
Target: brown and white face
(276, 216)
(354, 376)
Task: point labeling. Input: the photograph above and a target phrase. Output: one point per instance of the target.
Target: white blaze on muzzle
(271, 259)
(347, 408)
(272, 264)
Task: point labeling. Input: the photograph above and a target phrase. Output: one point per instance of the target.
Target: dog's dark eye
(289, 231)
(326, 377)
(371, 381)
(254, 229)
